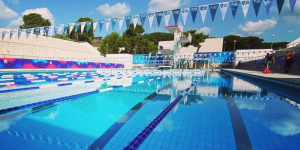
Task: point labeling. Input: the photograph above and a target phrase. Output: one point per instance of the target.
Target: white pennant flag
(82, 25)
(223, 8)
(184, 13)
(135, 19)
(71, 25)
(95, 23)
(203, 11)
(41, 31)
(31, 32)
(245, 6)
(121, 20)
(23, 33)
(151, 17)
(60, 27)
(51, 31)
(167, 15)
(107, 23)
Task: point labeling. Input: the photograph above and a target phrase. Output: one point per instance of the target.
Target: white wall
(125, 59)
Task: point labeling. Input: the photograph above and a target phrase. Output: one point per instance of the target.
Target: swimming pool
(218, 111)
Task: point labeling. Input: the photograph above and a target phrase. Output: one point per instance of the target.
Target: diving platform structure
(176, 45)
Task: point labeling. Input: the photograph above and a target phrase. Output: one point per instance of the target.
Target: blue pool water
(221, 111)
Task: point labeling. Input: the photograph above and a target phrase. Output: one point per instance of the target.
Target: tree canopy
(33, 20)
(85, 36)
(197, 38)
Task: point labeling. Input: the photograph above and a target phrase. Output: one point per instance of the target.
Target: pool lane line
(17, 108)
(138, 140)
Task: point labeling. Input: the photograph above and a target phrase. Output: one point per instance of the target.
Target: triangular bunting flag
(268, 4)
(121, 20)
(101, 22)
(128, 19)
(143, 18)
(184, 13)
(256, 6)
(71, 25)
(292, 4)
(77, 27)
(10, 34)
(42, 31)
(167, 15)
(27, 32)
(223, 9)
(213, 9)
(194, 11)
(158, 17)
(88, 26)
(107, 23)
(135, 19)
(19, 33)
(60, 27)
(82, 25)
(65, 28)
(113, 23)
(279, 5)
(31, 32)
(203, 12)
(95, 23)
(47, 31)
(37, 31)
(3, 35)
(176, 13)
(55, 30)
(245, 6)
(234, 7)
(151, 17)
(23, 33)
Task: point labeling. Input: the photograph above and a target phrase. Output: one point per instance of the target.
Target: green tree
(85, 36)
(251, 42)
(113, 41)
(131, 31)
(33, 20)
(159, 36)
(197, 38)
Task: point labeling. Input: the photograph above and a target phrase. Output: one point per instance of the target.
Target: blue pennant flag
(113, 23)
(19, 33)
(10, 34)
(3, 34)
(213, 10)
(143, 18)
(47, 30)
(256, 5)
(101, 22)
(279, 5)
(158, 17)
(76, 27)
(55, 30)
(27, 32)
(234, 7)
(194, 11)
(88, 26)
(292, 4)
(37, 31)
(65, 28)
(176, 13)
(268, 4)
(127, 19)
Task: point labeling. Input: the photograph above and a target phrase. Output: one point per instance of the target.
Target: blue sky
(285, 27)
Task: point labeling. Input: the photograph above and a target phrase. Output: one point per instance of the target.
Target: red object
(267, 70)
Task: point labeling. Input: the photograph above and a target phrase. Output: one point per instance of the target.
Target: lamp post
(224, 46)
(135, 49)
(234, 45)
(272, 41)
(106, 49)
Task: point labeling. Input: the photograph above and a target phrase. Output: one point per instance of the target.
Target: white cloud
(44, 12)
(15, 2)
(257, 28)
(286, 15)
(205, 30)
(6, 13)
(118, 10)
(290, 31)
(160, 5)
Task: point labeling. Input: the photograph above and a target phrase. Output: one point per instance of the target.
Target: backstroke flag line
(245, 6)
(184, 13)
(223, 9)
(121, 20)
(167, 15)
(203, 12)
(151, 18)
(268, 4)
(194, 11)
(135, 19)
(176, 13)
(234, 7)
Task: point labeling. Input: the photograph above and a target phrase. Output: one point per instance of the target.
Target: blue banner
(55, 30)
(256, 5)
(46, 30)
(292, 4)
(19, 33)
(143, 18)
(176, 13)
(213, 9)
(65, 28)
(127, 19)
(10, 34)
(3, 34)
(88, 26)
(37, 31)
(234, 7)
(280, 4)
(76, 27)
(158, 17)
(113, 23)
(268, 4)
(194, 11)
(27, 32)
(101, 22)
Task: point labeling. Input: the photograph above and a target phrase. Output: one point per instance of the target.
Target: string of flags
(203, 9)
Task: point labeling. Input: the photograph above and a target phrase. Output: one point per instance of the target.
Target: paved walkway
(287, 79)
